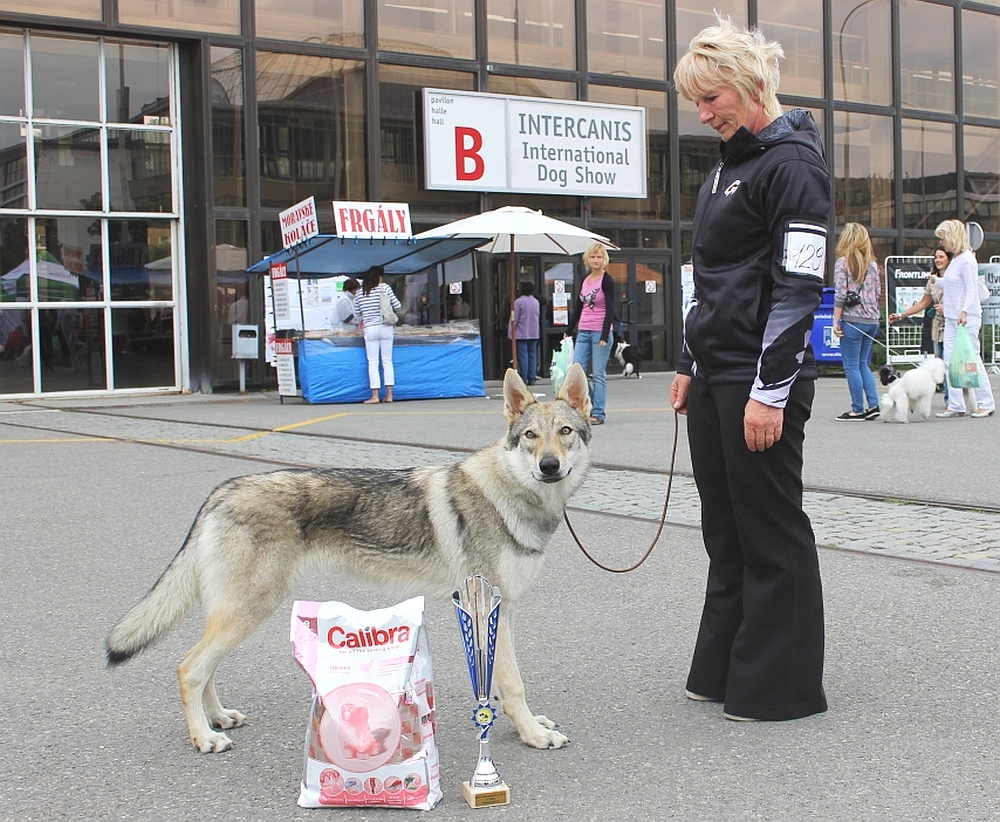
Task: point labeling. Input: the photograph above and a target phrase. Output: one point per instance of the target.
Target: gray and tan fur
(411, 531)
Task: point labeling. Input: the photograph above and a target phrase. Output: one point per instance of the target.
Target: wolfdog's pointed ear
(516, 396)
(575, 390)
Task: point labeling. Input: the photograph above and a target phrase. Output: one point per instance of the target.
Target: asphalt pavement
(99, 493)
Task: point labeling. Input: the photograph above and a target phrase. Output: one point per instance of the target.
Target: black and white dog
(888, 375)
(629, 358)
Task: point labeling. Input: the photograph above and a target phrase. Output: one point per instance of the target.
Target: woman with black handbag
(856, 317)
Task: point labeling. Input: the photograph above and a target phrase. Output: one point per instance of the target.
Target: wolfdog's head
(553, 438)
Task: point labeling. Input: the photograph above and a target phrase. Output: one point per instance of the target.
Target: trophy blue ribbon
(477, 606)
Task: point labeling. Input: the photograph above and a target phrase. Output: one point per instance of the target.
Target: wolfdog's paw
(225, 719)
(545, 736)
(213, 743)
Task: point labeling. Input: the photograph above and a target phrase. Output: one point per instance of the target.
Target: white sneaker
(734, 718)
(699, 697)
(948, 414)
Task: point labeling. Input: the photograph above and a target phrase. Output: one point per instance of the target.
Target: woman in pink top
(593, 316)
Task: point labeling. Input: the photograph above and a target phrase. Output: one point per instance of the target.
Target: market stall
(431, 361)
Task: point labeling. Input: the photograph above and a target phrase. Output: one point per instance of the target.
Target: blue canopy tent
(335, 370)
(328, 256)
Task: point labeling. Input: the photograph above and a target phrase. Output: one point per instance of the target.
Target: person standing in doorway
(524, 326)
(593, 316)
(746, 381)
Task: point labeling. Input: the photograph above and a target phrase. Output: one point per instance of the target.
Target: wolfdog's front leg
(537, 731)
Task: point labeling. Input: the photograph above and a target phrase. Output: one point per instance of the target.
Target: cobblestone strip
(926, 532)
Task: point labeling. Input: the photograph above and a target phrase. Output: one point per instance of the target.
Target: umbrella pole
(510, 324)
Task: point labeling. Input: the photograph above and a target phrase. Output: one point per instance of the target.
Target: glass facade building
(147, 147)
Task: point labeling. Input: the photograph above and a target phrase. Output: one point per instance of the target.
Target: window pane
(930, 179)
(861, 55)
(401, 160)
(16, 375)
(626, 38)
(693, 16)
(75, 9)
(68, 168)
(236, 300)
(143, 347)
(699, 147)
(982, 177)
(141, 260)
(72, 349)
(656, 205)
(532, 34)
(65, 78)
(62, 246)
(863, 169)
(13, 166)
(981, 77)
(140, 170)
(311, 124)
(442, 28)
(532, 87)
(228, 147)
(220, 16)
(927, 56)
(798, 26)
(138, 83)
(336, 24)
(12, 70)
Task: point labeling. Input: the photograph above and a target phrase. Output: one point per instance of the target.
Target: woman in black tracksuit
(746, 380)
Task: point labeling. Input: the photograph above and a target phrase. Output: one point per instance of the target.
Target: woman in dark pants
(746, 381)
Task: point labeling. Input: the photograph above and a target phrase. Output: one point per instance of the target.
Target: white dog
(913, 391)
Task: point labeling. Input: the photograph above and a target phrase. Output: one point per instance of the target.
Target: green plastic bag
(963, 367)
(561, 361)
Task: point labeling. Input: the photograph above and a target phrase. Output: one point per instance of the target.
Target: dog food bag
(370, 739)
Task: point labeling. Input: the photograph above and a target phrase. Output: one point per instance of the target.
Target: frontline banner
(530, 145)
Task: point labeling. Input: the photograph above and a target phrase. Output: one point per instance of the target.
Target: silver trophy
(477, 606)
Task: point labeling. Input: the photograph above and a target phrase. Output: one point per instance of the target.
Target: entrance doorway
(647, 307)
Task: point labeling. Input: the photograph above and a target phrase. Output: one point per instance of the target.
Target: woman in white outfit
(962, 307)
(378, 335)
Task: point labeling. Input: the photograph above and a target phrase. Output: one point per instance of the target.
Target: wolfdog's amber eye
(530, 435)
(566, 431)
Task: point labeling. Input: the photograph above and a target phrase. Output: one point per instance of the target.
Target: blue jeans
(855, 353)
(527, 360)
(592, 355)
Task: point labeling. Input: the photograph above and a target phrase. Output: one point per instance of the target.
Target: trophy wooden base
(486, 797)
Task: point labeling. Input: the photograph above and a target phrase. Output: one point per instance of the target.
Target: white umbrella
(514, 229)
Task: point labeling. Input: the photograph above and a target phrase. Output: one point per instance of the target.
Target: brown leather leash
(663, 517)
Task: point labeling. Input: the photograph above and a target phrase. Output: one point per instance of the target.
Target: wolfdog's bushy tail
(160, 610)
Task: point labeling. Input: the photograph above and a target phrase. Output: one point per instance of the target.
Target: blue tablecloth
(335, 370)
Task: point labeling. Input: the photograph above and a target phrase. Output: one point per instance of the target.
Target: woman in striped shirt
(378, 335)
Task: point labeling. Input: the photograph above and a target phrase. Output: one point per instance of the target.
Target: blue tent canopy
(327, 256)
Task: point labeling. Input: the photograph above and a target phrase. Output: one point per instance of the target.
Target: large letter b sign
(469, 163)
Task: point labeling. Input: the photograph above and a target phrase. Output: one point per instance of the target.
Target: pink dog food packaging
(371, 734)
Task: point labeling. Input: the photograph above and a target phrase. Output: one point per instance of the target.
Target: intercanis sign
(491, 142)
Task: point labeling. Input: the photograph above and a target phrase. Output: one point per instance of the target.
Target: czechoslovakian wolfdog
(410, 531)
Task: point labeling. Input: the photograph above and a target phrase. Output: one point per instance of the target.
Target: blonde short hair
(954, 234)
(595, 248)
(724, 55)
(855, 246)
